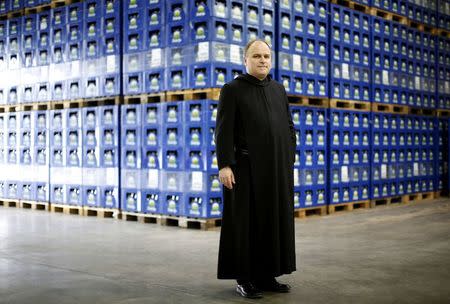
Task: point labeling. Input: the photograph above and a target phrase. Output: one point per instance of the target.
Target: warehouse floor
(398, 254)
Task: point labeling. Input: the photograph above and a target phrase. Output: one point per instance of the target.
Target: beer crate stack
(110, 105)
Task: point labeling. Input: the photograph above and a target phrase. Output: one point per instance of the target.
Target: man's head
(258, 58)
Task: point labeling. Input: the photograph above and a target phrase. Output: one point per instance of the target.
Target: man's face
(258, 60)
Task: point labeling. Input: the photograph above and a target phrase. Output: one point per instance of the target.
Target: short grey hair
(249, 44)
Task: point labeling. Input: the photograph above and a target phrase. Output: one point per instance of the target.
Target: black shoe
(272, 285)
(247, 290)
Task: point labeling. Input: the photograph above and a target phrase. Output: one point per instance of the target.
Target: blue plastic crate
(195, 159)
(203, 10)
(151, 201)
(92, 10)
(27, 190)
(92, 29)
(150, 158)
(151, 136)
(109, 197)
(14, 27)
(74, 195)
(151, 114)
(131, 115)
(75, 13)
(173, 159)
(131, 158)
(109, 157)
(59, 35)
(109, 85)
(74, 50)
(177, 11)
(201, 205)
(110, 26)
(58, 194)
(133, 83)
(212, 29)
(172, 203)
(91, 196)
(110, 45)
(130, 199)
(59, 16)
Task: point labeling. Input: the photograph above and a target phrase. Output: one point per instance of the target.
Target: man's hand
(226, 177)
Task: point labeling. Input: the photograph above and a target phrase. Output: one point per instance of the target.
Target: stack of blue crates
(151, 158)
(303, 48)
(350, 54)
(41, 155)
(11, 178)
(396, 6)
(26, 154)
(443, 73)
(100, 156)
(100, 52)
(443, 7)
(403, 61)
(33, 155)
(310, 167)
(443, 161)
(131, 157)
(404, 153)
(424, 11)
(66, 157)
(203, 191)
(350, 160)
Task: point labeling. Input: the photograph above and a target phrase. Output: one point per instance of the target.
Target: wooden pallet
(9, 203)
(101, 101)
(144, 98)
(310, 211)
(66, 209)
(400, 199)
(353, 5)
(140, 217)
(34, 205)
(333, 208)
(12, 14)
(391, 16)
(37, 9)
(389, 108)
(187, 222)
(9, 108)
(441, 32)
(67, 104)
(422, 112)
(210, 93)
(420, 196)
(100, 212)
(39, 106)
(420, 26)
(320, 102)
(350, 105)
(443, 113)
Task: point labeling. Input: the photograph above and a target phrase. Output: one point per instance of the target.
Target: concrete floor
(398, 254)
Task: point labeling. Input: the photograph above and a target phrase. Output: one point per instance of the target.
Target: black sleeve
(291, 124)
(225, 122)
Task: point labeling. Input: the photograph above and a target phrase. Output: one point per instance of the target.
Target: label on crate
(75, 69)
(344, 174)
(58, 72)
(235, 54)
(153, 178)
(197, 181)
(203, 51)
(417, 82)
(385, 77)
(90, 176)
(156, 58)
(345, 71)
(296, 179)
(111, 64)
(384, 171)
(112, 176)
(297, 63)
(58, 175)
(416, 169)
(74, 176)
(41, 174)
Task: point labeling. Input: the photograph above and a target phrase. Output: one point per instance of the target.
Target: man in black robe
(255, 143)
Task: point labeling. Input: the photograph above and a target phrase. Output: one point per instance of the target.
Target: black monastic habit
(255, 136)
